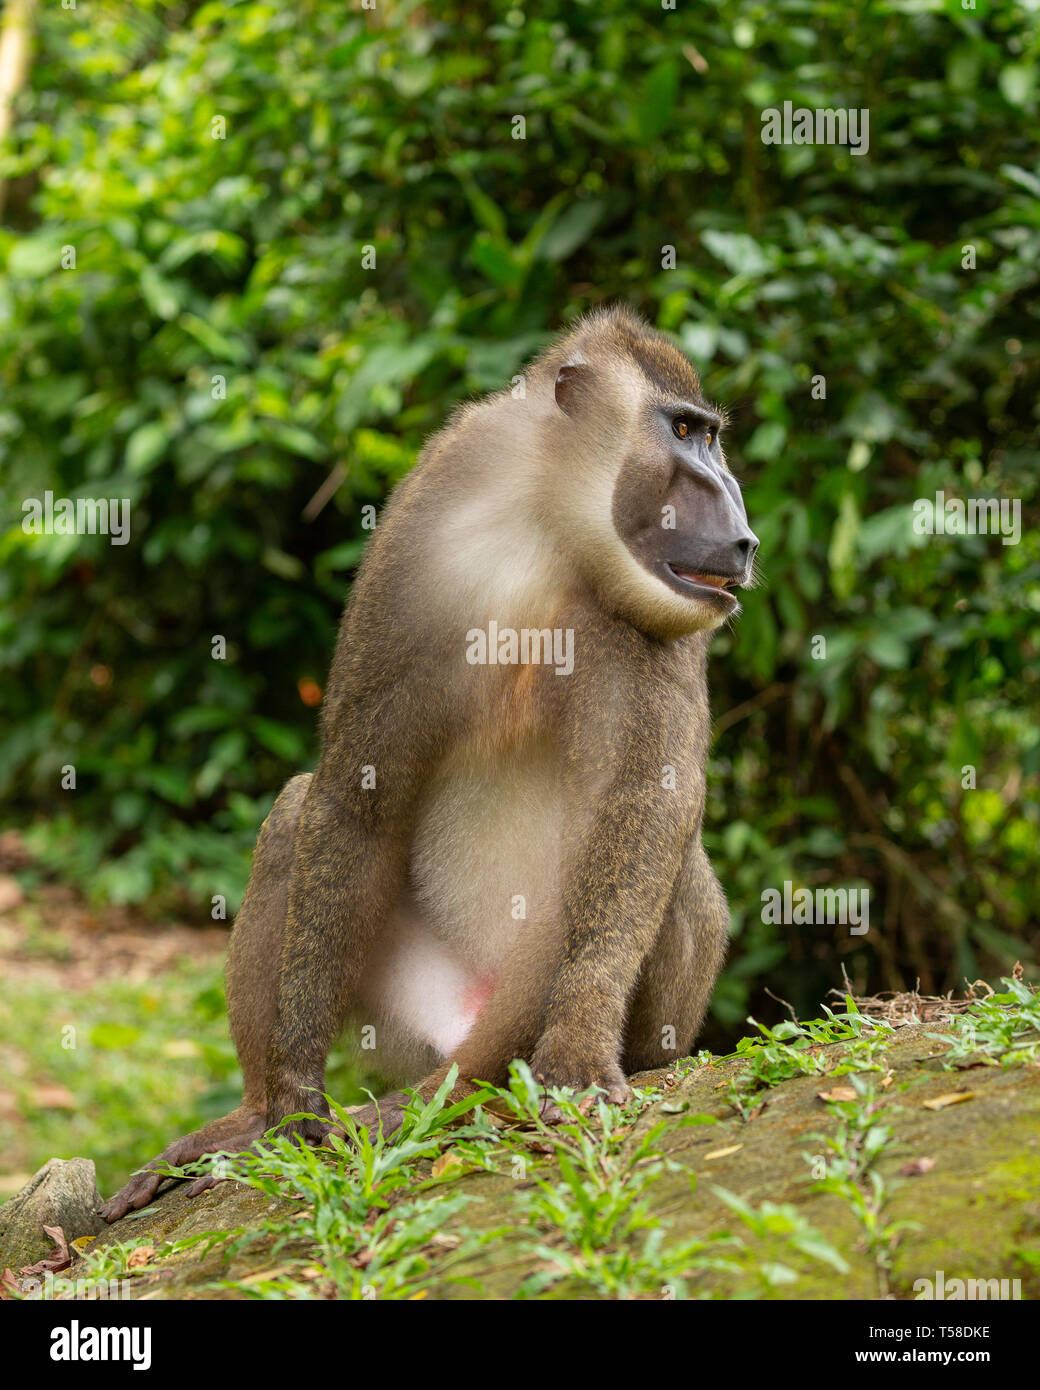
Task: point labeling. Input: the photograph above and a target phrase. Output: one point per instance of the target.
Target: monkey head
(652, 513)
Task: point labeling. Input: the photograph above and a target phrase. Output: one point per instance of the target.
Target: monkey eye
(683, 427)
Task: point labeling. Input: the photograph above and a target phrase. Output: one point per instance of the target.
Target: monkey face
(680, 512)
(655, 520)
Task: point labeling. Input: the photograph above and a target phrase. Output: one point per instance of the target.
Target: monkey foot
(387, 1113)
(137, 1193)
(214, 1138)
(552, 1114)
(610, 1081)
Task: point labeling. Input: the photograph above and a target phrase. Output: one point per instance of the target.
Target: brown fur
(516, 512)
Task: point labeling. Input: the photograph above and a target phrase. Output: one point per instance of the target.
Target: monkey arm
(613, 906)
(346, 875)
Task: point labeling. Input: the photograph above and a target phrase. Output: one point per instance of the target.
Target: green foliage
(853, 1153)
(118, 1069)
(370, 1225)
(1001, 1030)
(798, 1049)
(220, 347)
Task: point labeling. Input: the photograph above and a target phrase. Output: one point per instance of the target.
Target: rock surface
(62, 1193)
(967, 1174)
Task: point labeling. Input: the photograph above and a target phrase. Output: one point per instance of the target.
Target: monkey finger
(386, 1115)
(203, 1184)
(550, 1112)
(137, 1193)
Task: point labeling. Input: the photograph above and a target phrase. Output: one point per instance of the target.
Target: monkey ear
(567, 379)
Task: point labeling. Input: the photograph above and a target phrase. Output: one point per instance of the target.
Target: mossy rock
(976, 1211)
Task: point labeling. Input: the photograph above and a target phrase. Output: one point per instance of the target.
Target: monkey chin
(686, 602)
(712, 590)
(659, 602)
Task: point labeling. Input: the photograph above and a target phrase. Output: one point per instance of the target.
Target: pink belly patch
(475, 995)
(420, 982)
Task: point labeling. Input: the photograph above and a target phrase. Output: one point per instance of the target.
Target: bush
(225, 342)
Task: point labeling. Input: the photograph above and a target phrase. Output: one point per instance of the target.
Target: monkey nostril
(742, 551)
(746, 547)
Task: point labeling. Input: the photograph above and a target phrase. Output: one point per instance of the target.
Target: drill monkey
(596, 516)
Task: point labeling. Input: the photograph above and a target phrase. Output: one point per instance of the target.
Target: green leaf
(33, 256)
(767, 442)
(163, 297)
(571, 229)
(146, 446)
(282, 564)
(1018, 83)
(496, 259)
(485, 209)
(841, 553)
(888, 650)
(657, 102)
(285, 742)
(112, 1036)
(740, 252)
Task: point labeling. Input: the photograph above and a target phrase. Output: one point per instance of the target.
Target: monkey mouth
(698, 582)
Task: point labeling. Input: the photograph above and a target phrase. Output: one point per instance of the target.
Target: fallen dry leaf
(58, 1260)
(722, 1153)
(262, 1274)
(837, 1093)
(448, 1164)
(140, 1256)
(54, 1098)
(917, 1166)
(950, 1098)
(11, 894)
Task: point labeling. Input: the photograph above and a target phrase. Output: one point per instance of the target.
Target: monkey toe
(387, 1115)
(550, 1112)
(137, 1193)
(143, 1186)
(313, 1130)
(613, 1089)
(203, 1184)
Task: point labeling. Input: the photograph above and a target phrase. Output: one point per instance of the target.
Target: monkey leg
(254, 954)
(508, 1027)
(665, 1010)
(679, 974)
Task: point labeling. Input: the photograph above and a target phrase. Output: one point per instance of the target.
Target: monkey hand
(235, 1133)
(387, 1114)
(311, 1129)
(563, 1068)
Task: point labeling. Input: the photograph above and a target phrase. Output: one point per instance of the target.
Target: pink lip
(716, 581)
